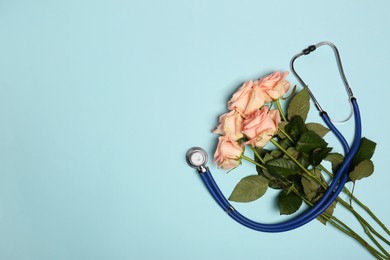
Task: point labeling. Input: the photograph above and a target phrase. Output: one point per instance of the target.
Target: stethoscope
(197, 158)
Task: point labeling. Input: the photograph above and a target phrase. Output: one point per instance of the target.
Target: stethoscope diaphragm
(196, 157)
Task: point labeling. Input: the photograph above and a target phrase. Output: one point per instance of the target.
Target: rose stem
(252, 161)
(280, 110)
(351, 195)
(332, 219)
(358, 202)
(361, 220)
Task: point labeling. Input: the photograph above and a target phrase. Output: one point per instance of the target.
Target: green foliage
(299, 105)
(276, 153)
(304, 160)
(362, 170)
(318, 154)
(296, 127)
(281, 126)
(317, 128)
(365, 152)
(282, 167)
(249, 189)
(335, 159)
(289, 202)
(310, 185)
(328, 211)
(310, 141)
(273, 182)
(286, 143)
(293, 152)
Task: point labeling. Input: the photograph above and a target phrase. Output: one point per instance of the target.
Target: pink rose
(241, 98)
(228, 153)
(230, 124)
(252, 95)
(260, 126)
(274, 85)
(248, 98)
(257, 99)
(279, 90)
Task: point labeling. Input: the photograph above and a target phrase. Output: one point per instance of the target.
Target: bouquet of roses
(288, 154)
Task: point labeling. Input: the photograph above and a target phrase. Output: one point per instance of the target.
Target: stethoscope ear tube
(311, 49)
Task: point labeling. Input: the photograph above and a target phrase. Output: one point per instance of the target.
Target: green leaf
(329, 211)
(282, 167)
(299, 105)
(317, 128)
(274, 184)
(365, 152)
(267, 157)
(304, 160)
(293, 152)
(362, 170)
(249, 189)
(276, 153)
(285, 143)
(272, 181)
(296, 180)
(318, 155)
(309, 141)
(296, 127)
(282, 126)
(289, 203)
(336, 160)
(310, 185)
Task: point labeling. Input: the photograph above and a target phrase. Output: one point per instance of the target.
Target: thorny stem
(351, 233)
(364, 207)
(366, 226)
(362, 220)
(350, 194)
(337, 223)
(332, 219)
(350, 198)
(354, 235)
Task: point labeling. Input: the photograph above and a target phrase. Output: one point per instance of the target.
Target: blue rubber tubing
(334, 189)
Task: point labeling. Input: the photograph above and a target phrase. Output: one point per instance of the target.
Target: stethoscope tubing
(340, 178)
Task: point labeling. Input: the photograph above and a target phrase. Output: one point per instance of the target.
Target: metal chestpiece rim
(196, 158)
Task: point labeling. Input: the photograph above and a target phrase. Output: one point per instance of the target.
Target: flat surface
(100, 100)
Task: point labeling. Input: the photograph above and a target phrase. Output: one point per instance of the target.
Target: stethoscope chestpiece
(196, 158)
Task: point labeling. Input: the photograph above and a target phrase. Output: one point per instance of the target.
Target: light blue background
(99, 101)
